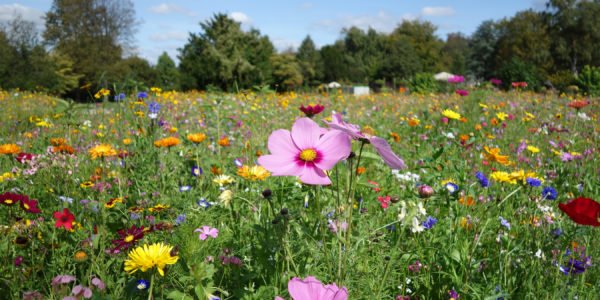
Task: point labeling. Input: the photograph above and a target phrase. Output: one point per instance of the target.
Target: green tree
(525, 37)
(421, 36)
(287, 73)
(335, 65)
(310, 62)
(456, 53)
(225, 56)
(483, 47)
(167, 73)
(575, 31)
(91, 33)
(401, 60)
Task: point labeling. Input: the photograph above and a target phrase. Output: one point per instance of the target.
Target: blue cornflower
(153, 108)
(504, 222)
(556, 232)
(534, 182)
(549, 193)
(142, 285)
(142, 95)
(451, 187)
(204, 203)
(180, 219)
(429, 222)
(196, 171)
(119, 97)
(238, 163)
(482, 179)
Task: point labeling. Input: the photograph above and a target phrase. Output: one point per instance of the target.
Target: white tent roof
(333, 85)
(443, 76)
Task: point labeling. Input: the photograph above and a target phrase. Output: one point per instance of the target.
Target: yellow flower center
(308, 155)
(8, 201)
(128, 238)
(26, 206)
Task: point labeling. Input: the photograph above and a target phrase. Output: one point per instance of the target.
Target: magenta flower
(456, 79)
(206, 231)
(62, 279)
(307, 151)
(462, 92)
(381, 145)
(312, 289)
(81, 291)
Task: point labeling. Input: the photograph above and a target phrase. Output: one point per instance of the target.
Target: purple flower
(62, 279)
(80, 290)
(312, 289)
(180, 219)
(482, 179)
(429, 222)
(196, 171)
(549, 193)
(98, 283)
(456, 79)
(504, 222)
(534, 182)
(453, 294)
(381, 145)
(207, 231)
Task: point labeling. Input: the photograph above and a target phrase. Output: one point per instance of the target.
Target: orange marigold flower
(412, 122)
(102, 150)
(224, 141)
(494, 121)
(58, 141)
(63, 149)
(196, 137)
(360, 170)
(9, 149)
(467, 201)
(253, 173)
(167, 142)
(395, 136)
(494, 155)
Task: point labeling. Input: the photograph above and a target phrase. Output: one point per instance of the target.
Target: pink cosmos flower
(206, 231)
(312, 289)
(381, 145)
(307, 151)
(456, 79)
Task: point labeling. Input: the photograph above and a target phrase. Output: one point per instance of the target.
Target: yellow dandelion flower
(503, 177)
(501, 116)
(533, 149)
(450, 114)
(223, 180)
(253, 173)
(102, 150)
(147, 257)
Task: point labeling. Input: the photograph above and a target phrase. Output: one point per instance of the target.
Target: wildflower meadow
(478, 194)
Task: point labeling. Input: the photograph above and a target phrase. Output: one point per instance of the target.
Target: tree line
(86, 45)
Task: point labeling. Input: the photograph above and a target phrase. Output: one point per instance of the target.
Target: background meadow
(475, 233)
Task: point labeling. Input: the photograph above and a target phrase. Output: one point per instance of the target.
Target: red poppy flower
(64, 219)
(583, 211)
(578, 104)
(312, 110)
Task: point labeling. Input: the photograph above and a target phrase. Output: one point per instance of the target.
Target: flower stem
(151, 287)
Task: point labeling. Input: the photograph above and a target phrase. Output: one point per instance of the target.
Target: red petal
(583, 211)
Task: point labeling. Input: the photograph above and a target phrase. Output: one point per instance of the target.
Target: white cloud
(283, 44)
(381, 21)
(9, 11)
(169, 36)
(437, 11)
(240, 17)
(164, 8)
(306, 5)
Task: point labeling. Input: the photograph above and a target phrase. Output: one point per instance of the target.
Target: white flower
(583, 116)
(421, 209)
(539, 254)
(402, 213)
(416, 226)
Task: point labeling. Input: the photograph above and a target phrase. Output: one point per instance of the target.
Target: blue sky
(164, 25)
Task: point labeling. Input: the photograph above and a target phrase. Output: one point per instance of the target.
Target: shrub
(423, 83)
(518, 71)
(589, 80)
(561, 80)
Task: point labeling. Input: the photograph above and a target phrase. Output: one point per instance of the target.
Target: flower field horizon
(170, 195)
